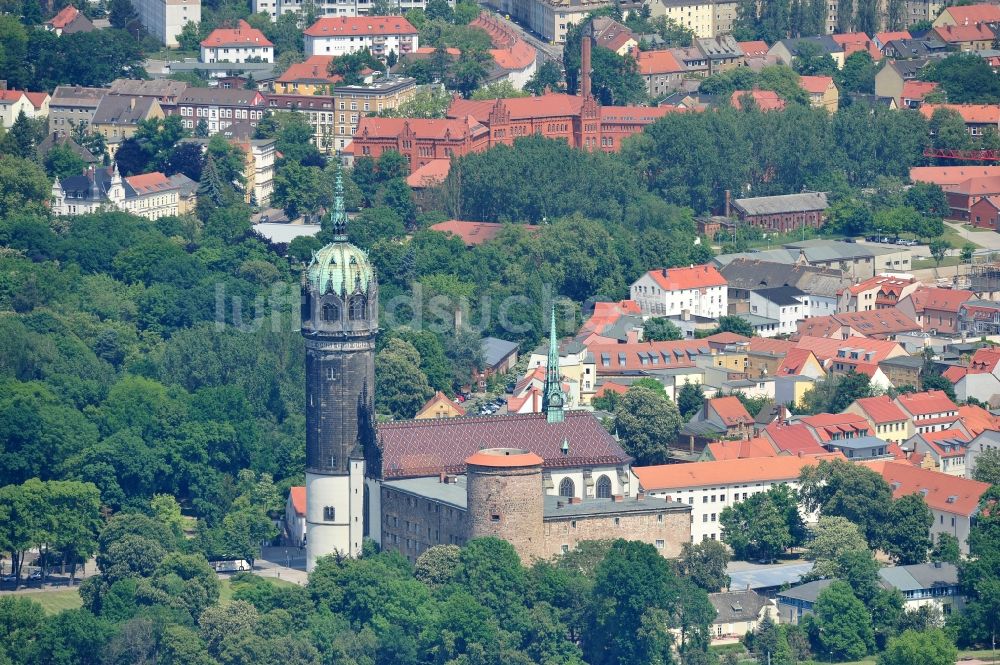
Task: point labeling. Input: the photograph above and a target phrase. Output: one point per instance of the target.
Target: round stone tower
(339, 324)
(505, 499)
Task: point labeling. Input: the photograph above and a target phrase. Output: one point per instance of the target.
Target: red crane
(970, 155)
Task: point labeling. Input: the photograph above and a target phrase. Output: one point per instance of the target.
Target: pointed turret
(338, 216)
(554, 399)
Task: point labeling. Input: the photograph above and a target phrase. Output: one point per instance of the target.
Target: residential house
(947, 448)
(259, 157)
(787, 50)
(187, 193)
(799, 600)
(670, 362)
(934, 584)
(879, 292)
(785, 304)
(984, 441)
(765, 355)
(722, 52)
(793, 438)
(67, 21)
(698, 290)
(55, 139)
(855, 260)
(439, 406)
(576, 367)
(754, 49)
(783, 213)
(311, 77)
(240, 44)
(857, 354)
(738, 449)
(164, 91)
(738, 612)
(853, 42)
(977, 117)
(725, 14)
(295, 517)
(823, 94)
(847, 432)
(693, 60)
(935, 309)
(512, 55)
(902, 370)
(219, 107)
(972, 37)
(860, 448)
(821, 285)
(763, 100)
(149, 195)
(661, 72)
(718, 418)
(915, 92)
(72, 106)
(985, 213)
(118, 116)
(165, 19)
(499, 357)
(875, 324)
(15, 102)
(978, 317)
(954, 501)
(341, 35)
(964, 196)
(980, 379)
(696, 15)
(881, 39)
(928, 46)
(930, 411)
(888, 422)
(612, 35)
(968, 14)
(890, 79)
(709, 487)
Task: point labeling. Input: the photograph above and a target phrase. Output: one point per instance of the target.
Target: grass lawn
(226, 592)
(55, 601)
(948, 261)
(957, 239)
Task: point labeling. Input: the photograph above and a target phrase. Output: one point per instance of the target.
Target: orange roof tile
(793, 438)
(955, 373)
(872, 323)
(830, 426)
(314, 68)
(945, 300)
(871, 351)
(66, 16)
(475, 233)
(726, 337)
(754, 49)
(969, 14)
(440, 398)
(984, 360)
(771, 345)
(917, 90)
(957, 34)
(972, 114)
(37, 99)
(815, 85)
(516, 403)
(857, 41)
(554, 104)
(699, 474)
(354, 26)
(298, 495)
(519, 55)
(430, 50)
(950, 175)
(423, 128)
(242, 35)
(504, 457)
(794, 362)
(881, 409)
(766, 100)
(976, 186)
(147, 183)
(926, 403)
(611, 387)
(731, 410)
(682, 279)
(725, 450)
(647, 355)
(658, 62)
(941, 491)
(977, 419)
(884, 38)
(431, 174)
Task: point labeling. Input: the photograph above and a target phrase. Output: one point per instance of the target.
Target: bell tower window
(331, 312)
(329, 513)
(357, 310)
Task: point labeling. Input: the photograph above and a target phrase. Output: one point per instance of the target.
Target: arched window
(603, 487)
(306, 312)
(566, 488)
(357, 311)
(331, 312)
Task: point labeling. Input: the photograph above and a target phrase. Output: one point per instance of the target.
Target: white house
(934, 584)
(697, 291)
(987, 440)
(930, 411)
(708, 487)
(275, 8)
(149, 195)
(341, 35)
(295, 516)
(14, 102)
(785, 304)
(240, 44)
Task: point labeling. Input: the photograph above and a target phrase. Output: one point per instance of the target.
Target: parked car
(37, 575)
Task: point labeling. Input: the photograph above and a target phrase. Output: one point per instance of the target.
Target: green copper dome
(340, 268)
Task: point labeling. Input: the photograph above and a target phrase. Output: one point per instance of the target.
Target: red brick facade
(985, 213)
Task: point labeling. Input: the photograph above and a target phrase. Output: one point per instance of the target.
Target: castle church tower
(339, 324)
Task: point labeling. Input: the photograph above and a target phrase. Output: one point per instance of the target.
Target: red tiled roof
(972, 114)
(795, 439)
(945, 300)
(682, 279)
(886, 283)
(607, 314)
(439, 398)
(767, 100)
(828, 426)
(755, 49)
(658, 62)
(826, 349)
(815, 85)
(428, 447)
(872, 323)
(944, 492)
(636, 114)
(611, 387)
(698, 474)
(857, 41)
(66, 16)
(976, 186)
(955, 373)
(725, 450)
(242, 35)
(969, 14)
(984, 360)
(37, 99)
(977, 420)
(423, 128)
(956, 34)
(315, 68)
(509, 459)
(657, 355)
(726, 337)
(430, 50)
(917, 90)
(881, 409)
(147, 183)
(353, 26)
(771, 345)
(548, 105)
(475, 233)
(519, 55)
(298, 495)
(730, 410)
(951, 175)
(926, 403)
(431, 174)
(516, 403)
(884, 38)
(794, 362)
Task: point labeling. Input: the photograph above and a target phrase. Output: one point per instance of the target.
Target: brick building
(502, 495)
(219, 107)
(783, 213)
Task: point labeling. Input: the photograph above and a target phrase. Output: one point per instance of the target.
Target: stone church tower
(339, 324)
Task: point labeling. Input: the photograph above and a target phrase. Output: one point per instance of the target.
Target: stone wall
(507, 503)
(411, 524)
(668, 529)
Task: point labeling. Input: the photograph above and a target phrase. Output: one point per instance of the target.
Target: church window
(566, 488)
(331, 312)
(357, 311)
(603, 487)
(329, 513)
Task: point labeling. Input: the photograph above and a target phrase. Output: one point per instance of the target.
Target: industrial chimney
(585, 66)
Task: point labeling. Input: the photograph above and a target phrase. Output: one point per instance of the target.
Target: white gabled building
(149, 195)
(697, 291)
(785, 304)
(240, 44)
(275, 8)
(342, 35)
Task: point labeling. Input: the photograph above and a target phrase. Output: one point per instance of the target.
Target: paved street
(285, 563)
(546, 50)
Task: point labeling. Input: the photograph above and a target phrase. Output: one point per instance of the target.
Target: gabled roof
(614, 357)
(932, 297)
(725, 450)
(825, 43)
(852, 42)
(149, 183)
(955, 373)
(475, 233)
(970, 14)
(553, 104)
(926, 403)
(496, 349)
(787, 203)
(754, 49)
(941, 491)
(682, 279)
(884, 38)
(315, 69)
(771, 346)
(920, 576)
(794, 438)
(985, 359)
(815, 85)
(421, 128)
(795, 361)
(730, 410)
(917, 90)
(122, 110)
(869, 350)
(972, 114)
(872, 323)
(807, 592)
(428, 447)
(221, 96)
(242, 36)
(951, 175)
(766, 100)
(881, 409)
(297, 493)
(828, 426)
(355, 26)
(431, 174)
(699, 474)
(440, 398)
(65, 16)
(783, 296)
(958, 34)
(737, 606)
(658, 62)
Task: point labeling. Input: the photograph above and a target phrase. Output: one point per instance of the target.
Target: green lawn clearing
(946, 262)
(54, 602)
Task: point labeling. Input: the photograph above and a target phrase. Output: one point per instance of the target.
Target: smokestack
(585, 67)
(729, 197)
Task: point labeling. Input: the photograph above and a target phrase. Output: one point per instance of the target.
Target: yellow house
(823, 94)
(117, 117)
(311, 77)
(439, 406)
(697, 15)
(887, 420)
(968, 15)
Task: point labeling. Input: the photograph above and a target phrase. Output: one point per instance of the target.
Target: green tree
(734, 324)
(938, 248)
(932, 647)
(61, 161)
(859, 568)
(946, 549)
(121, 13)
(658, 329)
(965, 79)
(400, 387)
(839, 488)
(907, 533)
(23, 186)
(547, 75)
(501, 90)
(987, 466)
(705, 564)
(832, 537)
(190, 37)
(71, 637)
(647, 424)
(858, 73)
(755, 528)
(840, 627)
(438, 565)
(297, 189)
(690, 399)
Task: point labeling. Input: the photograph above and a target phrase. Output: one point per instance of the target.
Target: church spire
(553, 400)
(338, 216)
